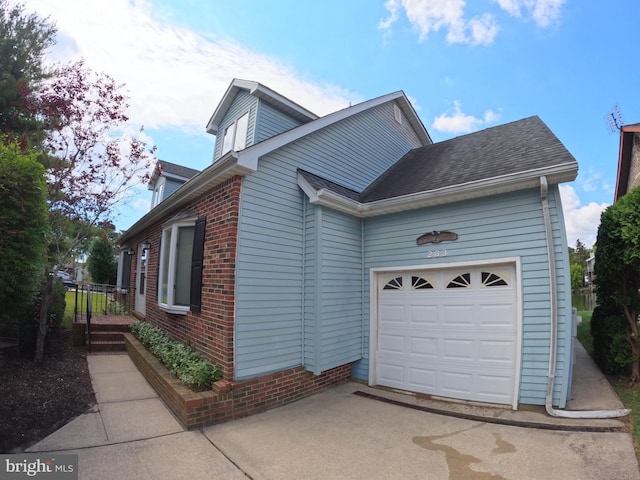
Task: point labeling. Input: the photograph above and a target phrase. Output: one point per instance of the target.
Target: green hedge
(188, 365)
(609, 329)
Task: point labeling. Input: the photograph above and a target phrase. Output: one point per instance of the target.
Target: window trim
(229, 138)
(158, 192)
(170, 306)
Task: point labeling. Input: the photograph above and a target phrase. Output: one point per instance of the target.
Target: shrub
(28, 323)
(609, 330)
(188, 365)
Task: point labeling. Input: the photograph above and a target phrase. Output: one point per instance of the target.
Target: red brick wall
(228, 400)
(210, 331)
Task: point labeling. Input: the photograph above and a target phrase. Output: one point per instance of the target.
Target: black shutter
(197, 263)
(126, 271)
(158, 268)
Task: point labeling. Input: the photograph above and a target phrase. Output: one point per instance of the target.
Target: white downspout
(544, 189)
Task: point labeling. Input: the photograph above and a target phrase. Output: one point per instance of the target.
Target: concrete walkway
(340, 434)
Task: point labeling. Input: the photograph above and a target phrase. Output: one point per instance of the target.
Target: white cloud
(459, 122)
(428, 16)
(543, 12)
(581, 221)
(174, 76)
(432, 15)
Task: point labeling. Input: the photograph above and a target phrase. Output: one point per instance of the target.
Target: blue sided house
(317, 249)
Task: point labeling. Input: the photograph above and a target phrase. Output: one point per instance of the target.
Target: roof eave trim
(223, 169)
(465, 191)
(260, 91)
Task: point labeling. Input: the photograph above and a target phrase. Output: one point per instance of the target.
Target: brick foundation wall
(228, 400)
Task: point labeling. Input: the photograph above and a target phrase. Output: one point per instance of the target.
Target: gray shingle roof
(177, 170)
(520, 146)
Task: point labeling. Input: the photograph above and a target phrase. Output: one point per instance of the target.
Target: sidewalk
(131, 434)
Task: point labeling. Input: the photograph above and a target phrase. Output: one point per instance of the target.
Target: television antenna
(614, 119)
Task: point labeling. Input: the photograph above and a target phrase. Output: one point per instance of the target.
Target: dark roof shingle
(515, 147)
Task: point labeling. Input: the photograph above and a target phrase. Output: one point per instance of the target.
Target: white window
(158, 192)
(176, 252)
(235, 135)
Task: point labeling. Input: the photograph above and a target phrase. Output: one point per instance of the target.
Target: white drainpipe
(621, 412)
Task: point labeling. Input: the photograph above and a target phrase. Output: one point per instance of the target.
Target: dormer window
(158, 192)
(235, 135)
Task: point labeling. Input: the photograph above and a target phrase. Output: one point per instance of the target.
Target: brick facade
(211, 331)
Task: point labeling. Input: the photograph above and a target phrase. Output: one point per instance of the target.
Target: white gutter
(544, 189)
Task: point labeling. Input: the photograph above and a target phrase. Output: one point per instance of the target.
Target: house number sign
(436, 237)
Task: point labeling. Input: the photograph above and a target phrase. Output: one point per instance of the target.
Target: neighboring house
(317, 249)
(628, 160)
(589, 276)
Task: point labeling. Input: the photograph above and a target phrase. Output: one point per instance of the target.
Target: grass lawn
(99, 303)
(630, 396)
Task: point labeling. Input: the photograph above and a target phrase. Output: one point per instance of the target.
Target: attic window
(235, 135)
(397, 113)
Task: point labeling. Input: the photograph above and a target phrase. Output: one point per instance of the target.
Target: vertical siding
(272, 301)
(509, 225)
(271, 122)
(243, 103)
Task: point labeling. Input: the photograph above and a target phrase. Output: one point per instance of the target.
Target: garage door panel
(423, 347)
(496, 351)
(393, 314)
(494, 388)
(458, 315)
(392, 375)
(497, 315)
(457, 349)
(423, 315)
(422, 379)
(457, 383)
(392, 344)
(452, 342)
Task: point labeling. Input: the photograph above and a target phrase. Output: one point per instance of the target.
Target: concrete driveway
(339, 435)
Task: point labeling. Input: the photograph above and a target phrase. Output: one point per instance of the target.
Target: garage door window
(420, 283)
(493, 280)
(393, 284)
(461, 281)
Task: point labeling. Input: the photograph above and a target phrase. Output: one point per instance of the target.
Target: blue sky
(464, 65)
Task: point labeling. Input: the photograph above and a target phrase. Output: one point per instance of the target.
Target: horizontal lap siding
(509, 225)
(272, 122)
(277, 272)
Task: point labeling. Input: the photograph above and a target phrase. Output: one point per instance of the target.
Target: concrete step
(108, 347)
(107, 336)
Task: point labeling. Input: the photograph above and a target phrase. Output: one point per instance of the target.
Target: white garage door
(451, 333)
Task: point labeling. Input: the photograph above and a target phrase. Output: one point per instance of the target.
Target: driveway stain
(460, 463)
(502, 446)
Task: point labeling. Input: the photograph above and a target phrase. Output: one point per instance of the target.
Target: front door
(141, 280)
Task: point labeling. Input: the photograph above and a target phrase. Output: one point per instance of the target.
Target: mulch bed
(36, 400)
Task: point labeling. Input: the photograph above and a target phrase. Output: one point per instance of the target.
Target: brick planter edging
(192, 409)
(230, 399)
